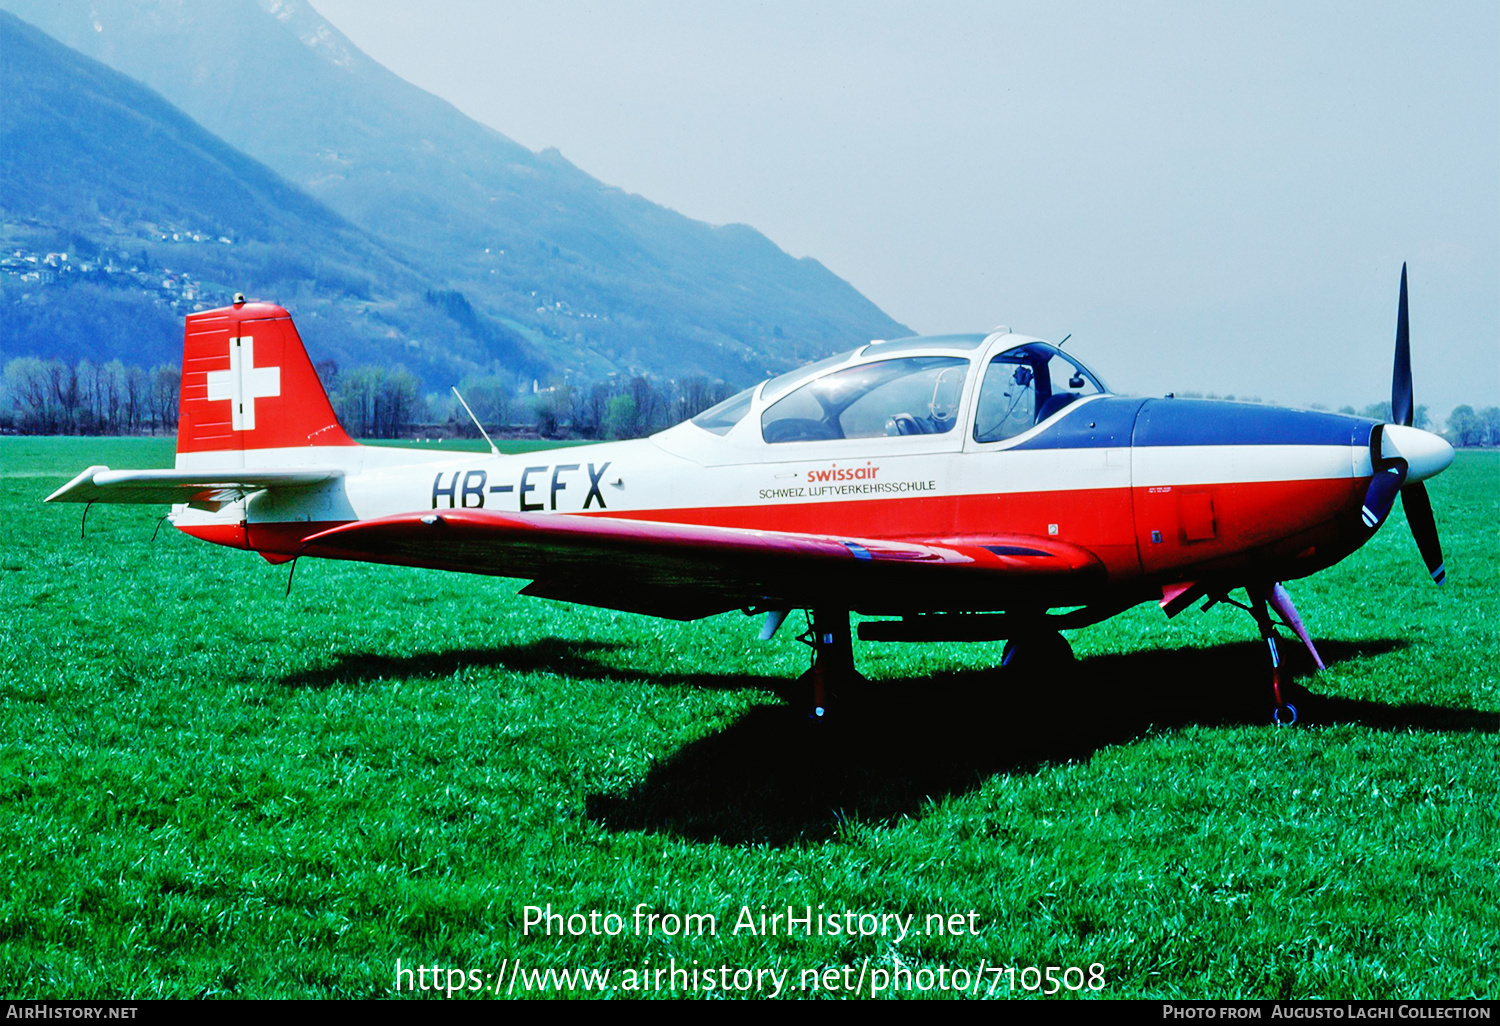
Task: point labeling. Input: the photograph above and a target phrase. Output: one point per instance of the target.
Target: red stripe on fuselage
(233, 535)
(1286, 528)
(1096, 519)
(286, 537)
(1210, 526)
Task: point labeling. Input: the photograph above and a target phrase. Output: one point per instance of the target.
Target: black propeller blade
(1381, 495)
(1390, 475)
(1401, 405)
(1424, 529)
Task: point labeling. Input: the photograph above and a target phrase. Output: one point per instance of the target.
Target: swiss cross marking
(243, 383)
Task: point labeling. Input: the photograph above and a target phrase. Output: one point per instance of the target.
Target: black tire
(1037, 653)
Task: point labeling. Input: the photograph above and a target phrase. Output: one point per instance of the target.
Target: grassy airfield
(210, 789)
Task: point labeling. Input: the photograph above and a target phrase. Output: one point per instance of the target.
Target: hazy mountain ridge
(121, 214)
(585, 274)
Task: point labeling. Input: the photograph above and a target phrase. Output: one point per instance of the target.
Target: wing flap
(198, 488)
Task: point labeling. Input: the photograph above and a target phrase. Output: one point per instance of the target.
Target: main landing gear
(1038, 652)
(832, 667)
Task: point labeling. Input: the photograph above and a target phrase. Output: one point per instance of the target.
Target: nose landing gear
(1264, 598)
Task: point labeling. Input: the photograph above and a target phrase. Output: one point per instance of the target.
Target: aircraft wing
(688, 571)
(203, 490)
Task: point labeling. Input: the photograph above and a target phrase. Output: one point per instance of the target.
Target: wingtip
(83, 478)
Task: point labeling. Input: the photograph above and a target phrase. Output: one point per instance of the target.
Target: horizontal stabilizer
(201, 489)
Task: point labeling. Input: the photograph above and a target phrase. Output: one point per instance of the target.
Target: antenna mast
(494, 451)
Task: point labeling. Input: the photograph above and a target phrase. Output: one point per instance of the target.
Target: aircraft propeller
(1409, 446)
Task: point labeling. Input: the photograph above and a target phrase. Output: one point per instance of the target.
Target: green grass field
(209, 788)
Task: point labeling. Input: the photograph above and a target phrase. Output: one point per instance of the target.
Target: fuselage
(922, 439)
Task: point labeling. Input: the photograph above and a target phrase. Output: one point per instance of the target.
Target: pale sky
(1212, 197)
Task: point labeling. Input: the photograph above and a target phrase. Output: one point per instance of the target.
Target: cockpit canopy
(914, 386)
(1026, 385)
(914, 395)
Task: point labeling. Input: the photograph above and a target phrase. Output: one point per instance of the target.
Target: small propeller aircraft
(967, 487)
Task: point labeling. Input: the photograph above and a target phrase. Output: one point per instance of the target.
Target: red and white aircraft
(973, 487)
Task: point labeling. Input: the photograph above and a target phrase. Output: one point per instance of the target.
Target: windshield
(1027, 385)
(719, 419)
(781, 382)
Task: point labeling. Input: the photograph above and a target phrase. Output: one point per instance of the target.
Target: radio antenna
(494, 450)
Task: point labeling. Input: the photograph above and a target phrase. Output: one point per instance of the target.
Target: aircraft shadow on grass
(775, 777)
(564, 657)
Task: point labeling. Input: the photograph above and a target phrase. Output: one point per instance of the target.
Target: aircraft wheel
(1037, 652)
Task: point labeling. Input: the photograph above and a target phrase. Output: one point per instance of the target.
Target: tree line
(1469, 427)
(49, 397)
(373, 402)
(602, 410)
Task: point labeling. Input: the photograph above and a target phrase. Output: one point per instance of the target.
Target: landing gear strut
(1284, 713)
(832, 658)
(1276, 597)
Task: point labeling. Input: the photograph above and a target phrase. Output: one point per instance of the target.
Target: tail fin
(250, 394)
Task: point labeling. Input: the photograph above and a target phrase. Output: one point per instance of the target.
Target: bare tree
(62, 384)
(398, 403)
(137, 394)
(87, 377)
(29, 381)
(697, 396)
(166, 390)
(112, 400)
(354, 402)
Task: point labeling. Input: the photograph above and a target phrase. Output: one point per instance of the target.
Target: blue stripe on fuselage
(1118, 421)
(1211, 422)
(1102, 424)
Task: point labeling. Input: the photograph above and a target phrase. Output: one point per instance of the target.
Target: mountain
(120, 214)
(577, 273)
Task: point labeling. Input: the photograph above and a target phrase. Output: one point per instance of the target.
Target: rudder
(249, 392)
